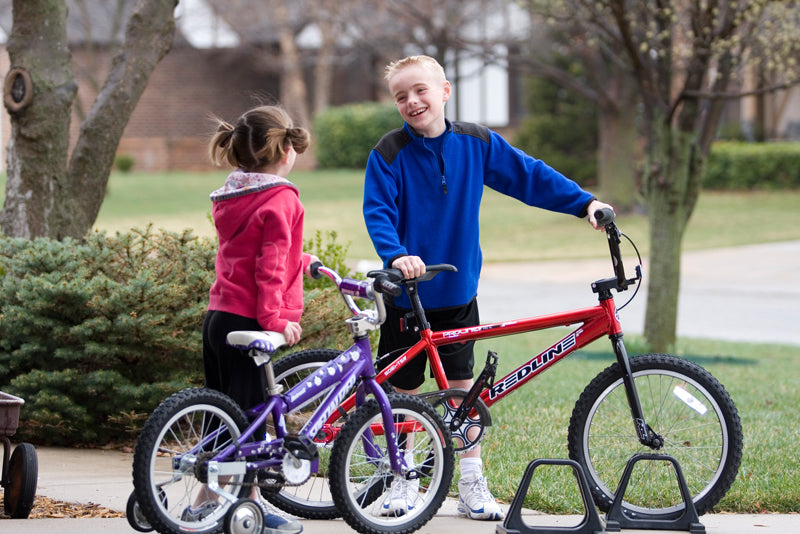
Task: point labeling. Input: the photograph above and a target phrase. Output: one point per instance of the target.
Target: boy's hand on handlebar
(410, 266)
(592, 208)
(292, 333)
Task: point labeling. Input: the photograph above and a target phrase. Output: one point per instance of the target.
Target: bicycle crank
(469, 432)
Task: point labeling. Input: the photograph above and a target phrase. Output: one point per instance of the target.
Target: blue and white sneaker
(476, 501)
(201, 512)
(275, 524)
(402, 498)
(278, 524)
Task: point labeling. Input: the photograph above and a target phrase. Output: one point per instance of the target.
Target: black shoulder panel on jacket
(392, 143)
(473, 129)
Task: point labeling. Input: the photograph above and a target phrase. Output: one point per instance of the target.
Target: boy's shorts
(457, 359)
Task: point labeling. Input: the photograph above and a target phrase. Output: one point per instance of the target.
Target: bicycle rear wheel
(683, 403)
(311, 500)
(361, 476)
(169, 479)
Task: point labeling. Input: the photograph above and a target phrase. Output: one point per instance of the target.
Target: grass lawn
(764, 380)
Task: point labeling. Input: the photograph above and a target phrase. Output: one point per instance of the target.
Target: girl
(260, 263)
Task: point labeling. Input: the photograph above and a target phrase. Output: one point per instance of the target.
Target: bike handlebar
(382, 284)
(606, 218)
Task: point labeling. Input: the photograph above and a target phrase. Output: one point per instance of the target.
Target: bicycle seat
(256, 340)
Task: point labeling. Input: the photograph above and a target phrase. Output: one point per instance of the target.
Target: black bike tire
(298, 365)
(149, 440)
(665, 368)
(357, 516)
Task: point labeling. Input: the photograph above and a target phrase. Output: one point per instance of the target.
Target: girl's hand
(292, 333)
(314, 259)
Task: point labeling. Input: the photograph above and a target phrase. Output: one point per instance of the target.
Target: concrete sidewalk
(104, 478)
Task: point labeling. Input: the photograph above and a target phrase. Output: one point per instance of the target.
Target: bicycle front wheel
(169, 475)
(371, 497)
(684, 404)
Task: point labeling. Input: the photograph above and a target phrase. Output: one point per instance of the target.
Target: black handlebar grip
(604, 216)
(314, 269)
(383, 285)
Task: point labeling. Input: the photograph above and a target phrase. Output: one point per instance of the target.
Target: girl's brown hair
(259, 138)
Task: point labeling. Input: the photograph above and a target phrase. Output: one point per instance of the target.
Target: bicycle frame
(596, 322)
(339, 376)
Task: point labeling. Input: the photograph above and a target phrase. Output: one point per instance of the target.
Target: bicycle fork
(645, 434)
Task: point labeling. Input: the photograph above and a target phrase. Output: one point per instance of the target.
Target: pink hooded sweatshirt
(260, 261)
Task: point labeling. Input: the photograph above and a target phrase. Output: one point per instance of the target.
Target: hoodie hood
(241, 183)
(236, 203)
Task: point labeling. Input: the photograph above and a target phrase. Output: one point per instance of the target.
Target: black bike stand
(514, 524)
(616, 518)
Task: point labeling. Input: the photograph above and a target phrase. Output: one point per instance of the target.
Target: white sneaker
(403, 496)
(476, 501)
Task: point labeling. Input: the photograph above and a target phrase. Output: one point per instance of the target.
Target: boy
(422, 194)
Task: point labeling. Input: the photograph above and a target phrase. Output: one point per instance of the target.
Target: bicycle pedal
(301, 447)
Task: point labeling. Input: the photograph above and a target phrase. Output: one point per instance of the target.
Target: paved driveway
(749, 293)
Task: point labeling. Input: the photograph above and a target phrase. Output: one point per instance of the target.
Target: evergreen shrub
(95, 333)
(345, 135)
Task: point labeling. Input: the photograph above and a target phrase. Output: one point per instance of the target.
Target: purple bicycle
(200, 451)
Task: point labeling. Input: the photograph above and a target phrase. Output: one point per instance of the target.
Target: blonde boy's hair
(424, 61)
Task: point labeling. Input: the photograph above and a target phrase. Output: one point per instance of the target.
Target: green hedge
(736, 165)
(95, 333)
(345, 135)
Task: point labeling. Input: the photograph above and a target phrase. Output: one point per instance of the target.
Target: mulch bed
(45, 507)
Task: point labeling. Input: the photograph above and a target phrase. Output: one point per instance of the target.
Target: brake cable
(638, 271)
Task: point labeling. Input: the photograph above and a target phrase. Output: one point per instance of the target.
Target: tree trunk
(617, 156)
(323, 70)
(294, 95)
(618, 150)
(45, 196)
(671, 190)
(148, 38)
(37, 148)
(666, 236)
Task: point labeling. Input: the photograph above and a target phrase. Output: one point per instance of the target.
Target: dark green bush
(345, 135)
(561, 128)
(123, 162)
(736, 165)
(95, 333)
(94, 329)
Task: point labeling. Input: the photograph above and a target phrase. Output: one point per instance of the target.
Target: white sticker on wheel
(689, 400)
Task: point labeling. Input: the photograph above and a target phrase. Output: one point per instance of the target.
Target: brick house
(171, 124)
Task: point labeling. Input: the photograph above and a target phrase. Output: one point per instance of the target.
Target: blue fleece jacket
(416, 203)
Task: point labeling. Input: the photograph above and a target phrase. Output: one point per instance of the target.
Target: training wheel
(135, 516)
(244, 517)
(20, 489)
